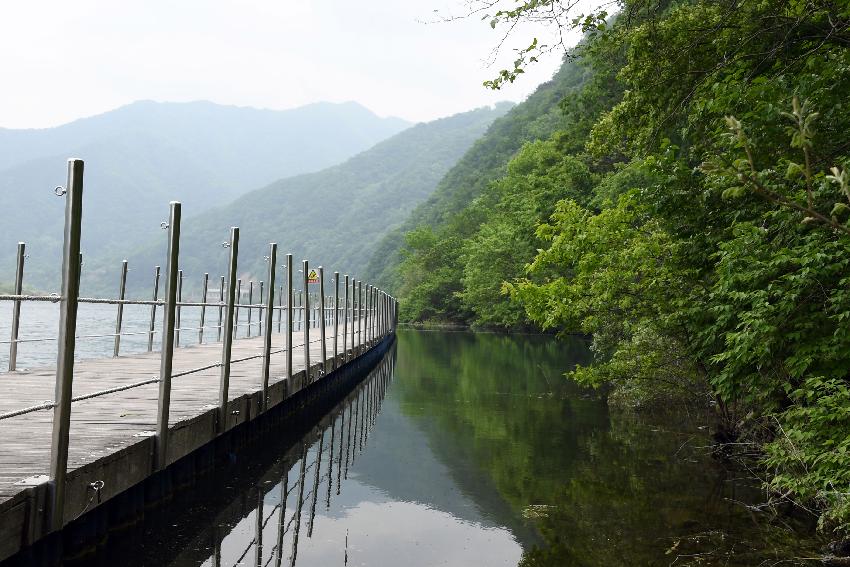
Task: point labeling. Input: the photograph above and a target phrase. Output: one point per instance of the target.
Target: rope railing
(142, 333)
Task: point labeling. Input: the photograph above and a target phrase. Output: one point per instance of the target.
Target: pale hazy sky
(61, 60)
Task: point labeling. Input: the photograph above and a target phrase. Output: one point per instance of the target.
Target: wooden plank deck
(116, 422)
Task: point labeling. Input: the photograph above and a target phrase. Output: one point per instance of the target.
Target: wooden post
(16, 306)
(300, 312)
(153, 309)
(353, 316)
(203, 308)
(179, 299)
(267, 336)
(323, 319)
(368, 322)
(359, 318)
(289, 320)
(122, 287)
(260, 314)
(250, 305)
(279, 308)
(168, 340)
(227, 334)
(345, 323)
(66, 342)
(351, 309)
(220, 307)
(306, 306)
(370, 315)
(336, 318)
(238, 303)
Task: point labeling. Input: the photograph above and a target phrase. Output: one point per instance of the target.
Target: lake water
(39, 327)
(469, 449)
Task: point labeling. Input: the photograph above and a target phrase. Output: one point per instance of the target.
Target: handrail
(372, 315)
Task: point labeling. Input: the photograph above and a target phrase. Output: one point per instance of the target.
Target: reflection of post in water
(379, 385)
(331, 463)
(382, 391)
(339, 463)
(281, 519)
(362, 398)
(348, 443)
(216, 556)
(377, 391)
(258, 528)
(368, 395)
(316, 485)
(356, 426)
(375, 394)
(297, 528)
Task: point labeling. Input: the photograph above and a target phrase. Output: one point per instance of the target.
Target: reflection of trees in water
(596, 488)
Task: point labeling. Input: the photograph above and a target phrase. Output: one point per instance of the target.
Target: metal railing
(371, 315)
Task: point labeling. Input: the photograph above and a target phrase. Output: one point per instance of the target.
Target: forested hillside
(689, 210)
(141, 156)
(537, 117)
(333, 217)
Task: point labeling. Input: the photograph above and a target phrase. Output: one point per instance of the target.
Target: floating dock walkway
(76, 436)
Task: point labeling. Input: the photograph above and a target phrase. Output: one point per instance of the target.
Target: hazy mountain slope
(535, 118)
(140, 157)
(333, 217)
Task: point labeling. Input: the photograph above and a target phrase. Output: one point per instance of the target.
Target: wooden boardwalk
(119, 423)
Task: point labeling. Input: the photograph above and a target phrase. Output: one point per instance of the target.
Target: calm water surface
(472, 450)
(39, 327)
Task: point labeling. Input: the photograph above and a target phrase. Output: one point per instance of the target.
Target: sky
(65, 60)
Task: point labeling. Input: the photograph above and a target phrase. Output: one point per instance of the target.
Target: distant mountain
(333, 217)
(141, 156)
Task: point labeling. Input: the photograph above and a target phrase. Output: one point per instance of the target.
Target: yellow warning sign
(312, 277)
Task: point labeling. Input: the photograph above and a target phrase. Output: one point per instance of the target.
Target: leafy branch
(748, 174)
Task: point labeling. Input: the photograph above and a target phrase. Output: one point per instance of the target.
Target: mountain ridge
(333, 216)
(141, 156)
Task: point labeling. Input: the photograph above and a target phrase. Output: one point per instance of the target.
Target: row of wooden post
(151, 332)
(375, 318)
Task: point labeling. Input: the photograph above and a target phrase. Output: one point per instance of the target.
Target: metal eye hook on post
(59, 190)
(163, 225)
(225, 245)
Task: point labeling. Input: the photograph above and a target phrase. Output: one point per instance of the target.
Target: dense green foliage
(536, 118)
(694, 223)
(141, 156)
(333, 217)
